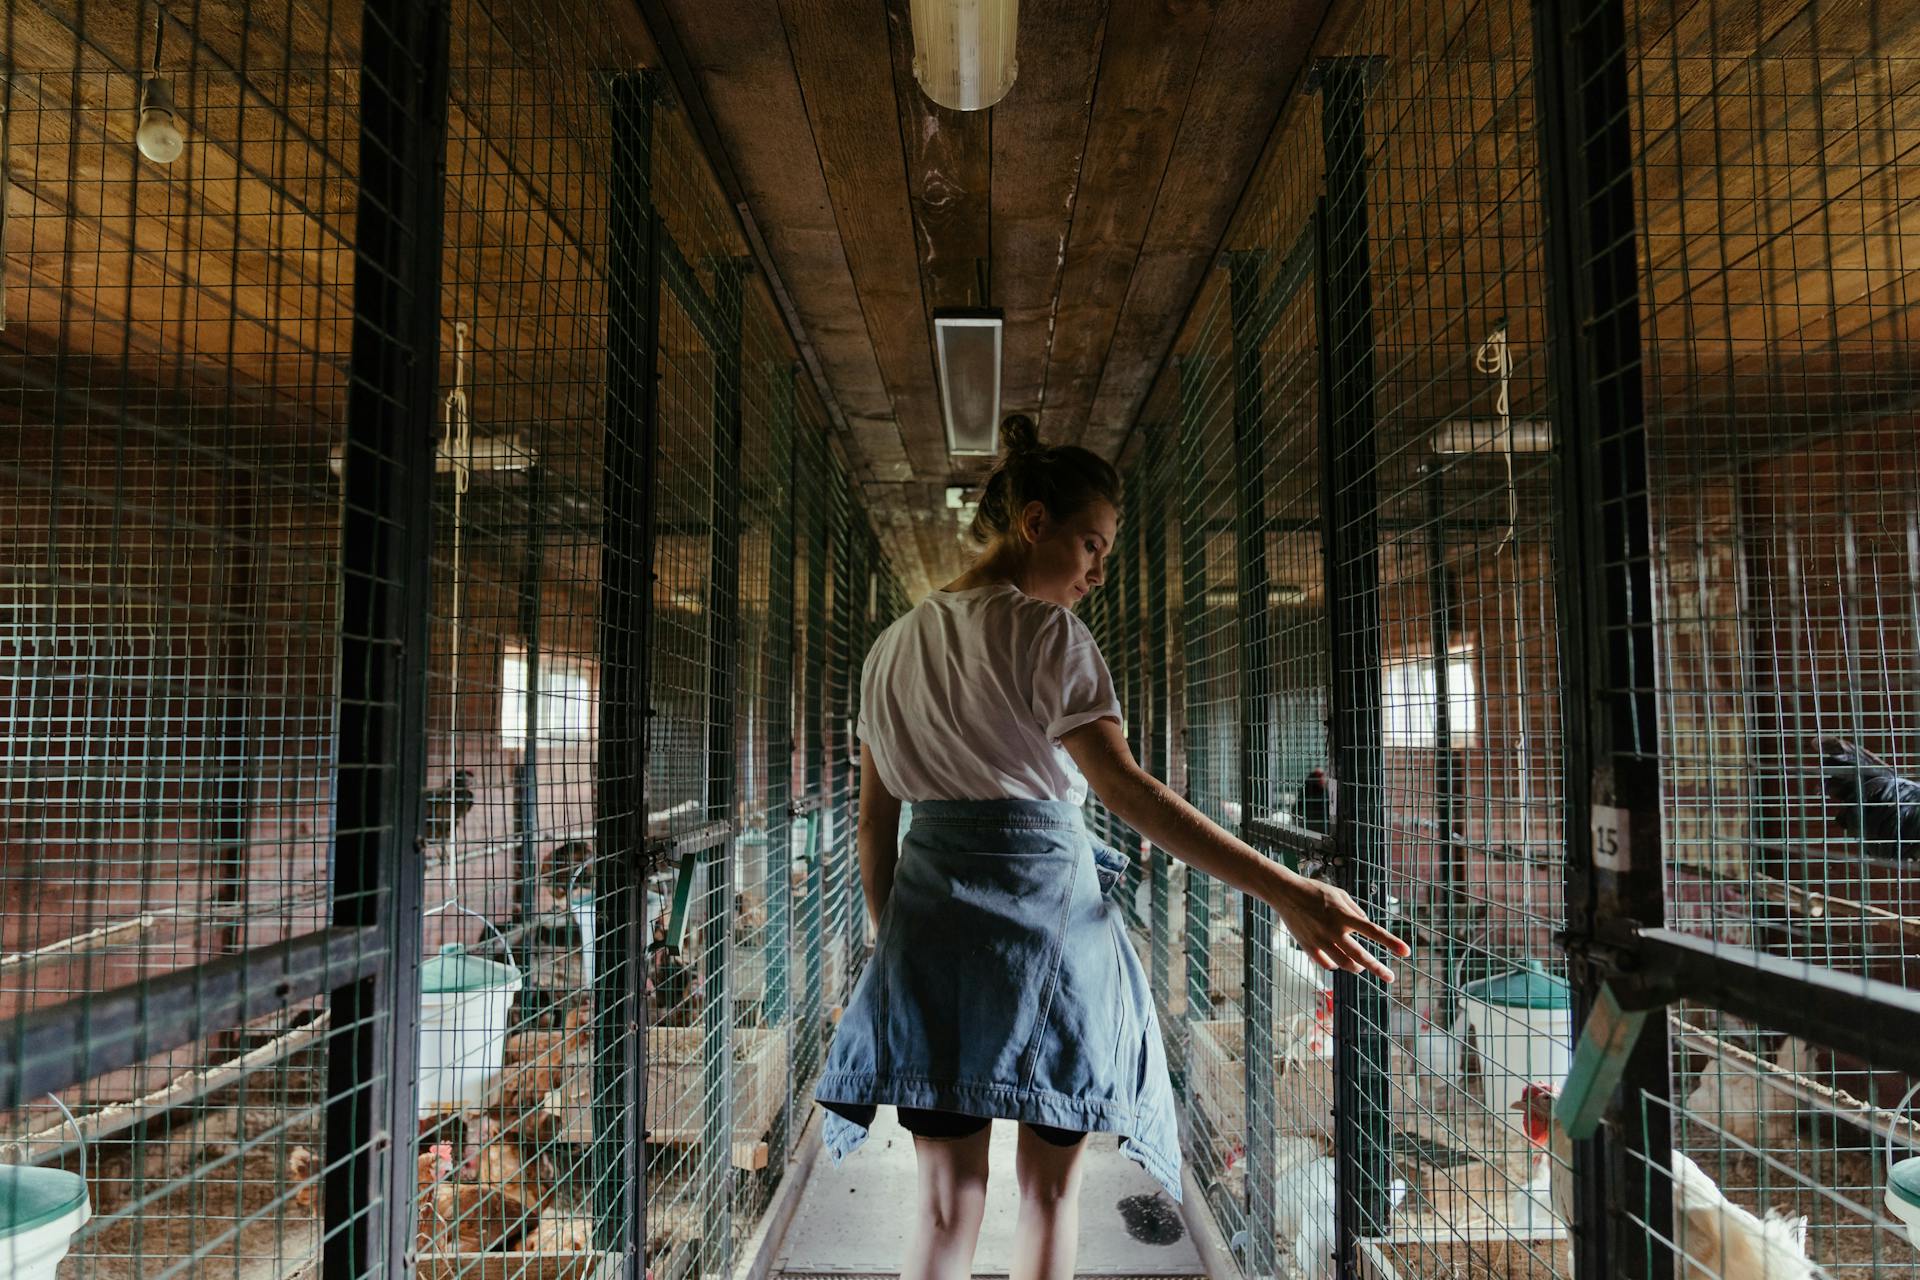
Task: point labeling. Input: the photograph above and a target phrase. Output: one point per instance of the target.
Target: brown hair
(1064, 478)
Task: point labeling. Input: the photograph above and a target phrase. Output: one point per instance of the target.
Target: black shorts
(946, 1125)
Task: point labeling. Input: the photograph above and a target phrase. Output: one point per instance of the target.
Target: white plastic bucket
(463, 1024)
(1522, 1025)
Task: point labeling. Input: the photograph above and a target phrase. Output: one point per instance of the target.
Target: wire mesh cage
(171, 635)
(236, 780)
(1762, 161)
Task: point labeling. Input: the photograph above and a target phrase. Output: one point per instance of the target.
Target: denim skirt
(1003, 984)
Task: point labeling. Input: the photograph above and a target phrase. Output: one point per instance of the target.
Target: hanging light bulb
(158, 136)
(963, 50)
(159, 133)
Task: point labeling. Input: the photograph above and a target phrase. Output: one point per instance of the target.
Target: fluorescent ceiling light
(956, 497)
(509, 452)
(963, 50)
(1491, 435)
(966, 345)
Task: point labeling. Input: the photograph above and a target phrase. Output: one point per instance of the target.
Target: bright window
(569, 708)
(1409, 703)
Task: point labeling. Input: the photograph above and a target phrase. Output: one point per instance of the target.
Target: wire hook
(1495, 359)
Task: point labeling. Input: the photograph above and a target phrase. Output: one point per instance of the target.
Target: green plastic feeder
(464, 1002)
(1903, 1181)
(1522, 1024)
(40, 1210)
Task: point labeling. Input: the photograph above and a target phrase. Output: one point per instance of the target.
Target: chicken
(1305, 1207)
(302, 1166)
(1870, 801)
(1302, 992)
(1515, 1195)
(483, 1205)
(445, 808)
(435, 1163)
(537, 1062)
(1303, 1038)
(1719, 1240)
(473, 1218)
(500, 1161)
(1317, 802)
(559, 1233)
(1739, 1100)
(570, 869)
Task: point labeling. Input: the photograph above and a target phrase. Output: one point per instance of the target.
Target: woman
(1002, 984)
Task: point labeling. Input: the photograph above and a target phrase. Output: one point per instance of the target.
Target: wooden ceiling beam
(749, 93)
(949, 183)
(1255, 60)
(1039, 139)
(1150, 55)
(841, 58)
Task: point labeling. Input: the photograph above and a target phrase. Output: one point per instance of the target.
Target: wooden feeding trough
(516, 1265)
(676, 1092)
(1303, 1081)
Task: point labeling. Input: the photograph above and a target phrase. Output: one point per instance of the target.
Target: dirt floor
(242, 1216)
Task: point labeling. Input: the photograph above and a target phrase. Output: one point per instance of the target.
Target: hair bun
(1019, 435)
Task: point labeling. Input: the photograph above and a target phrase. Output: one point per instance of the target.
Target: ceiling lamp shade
(963, 51)
(966, 345)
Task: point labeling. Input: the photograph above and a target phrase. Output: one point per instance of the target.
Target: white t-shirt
(966, 696)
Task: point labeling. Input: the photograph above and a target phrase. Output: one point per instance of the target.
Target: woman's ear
(1033, 521)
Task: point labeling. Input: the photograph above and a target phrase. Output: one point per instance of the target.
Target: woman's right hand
(1329, 925)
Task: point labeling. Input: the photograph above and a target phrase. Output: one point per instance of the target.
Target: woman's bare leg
(1046, 1241)
(953, 1201)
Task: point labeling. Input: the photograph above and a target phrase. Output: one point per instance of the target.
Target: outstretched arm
(1328, 923)
(879, 835)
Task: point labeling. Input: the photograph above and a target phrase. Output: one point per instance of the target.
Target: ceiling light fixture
(963, 50)
(158, 136)
(966, 345)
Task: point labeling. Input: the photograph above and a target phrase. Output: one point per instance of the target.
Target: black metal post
(1256, 752)
(846, 666)
(528, 778)
(1199, 723)
(618, 1157)
(1130, 643)
(385, 574)
(1607, 650)
(1352, 548)
(1160, 751)
(715, 1171)
(777, 945)
(238, 567)
(813, 704)
(1451, 868)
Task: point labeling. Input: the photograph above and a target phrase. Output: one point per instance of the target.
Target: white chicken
(1741, 1100)
(1720, 1240)
(1303, 1041)
(1305, 1207)
(1302, 992)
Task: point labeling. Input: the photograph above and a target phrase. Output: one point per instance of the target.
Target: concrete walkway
(855, 1220)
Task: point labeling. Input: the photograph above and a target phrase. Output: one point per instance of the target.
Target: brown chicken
(502, 1162)
(559, 1233)
(302, 1168)
(469, 1217)
(538, 1061)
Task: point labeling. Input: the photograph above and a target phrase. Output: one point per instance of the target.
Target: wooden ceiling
(1087, 205)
